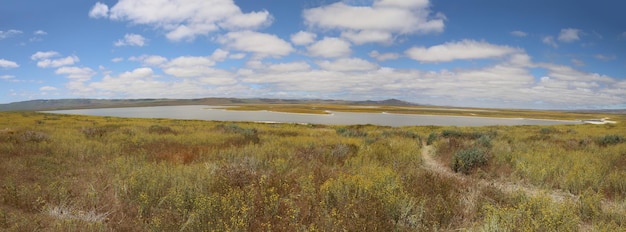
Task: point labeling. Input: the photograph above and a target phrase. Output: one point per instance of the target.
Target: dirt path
(432, 164)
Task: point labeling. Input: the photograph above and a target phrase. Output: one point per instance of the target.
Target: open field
(82, 173)
(428, 110)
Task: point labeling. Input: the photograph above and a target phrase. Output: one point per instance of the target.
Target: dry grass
(80, 173)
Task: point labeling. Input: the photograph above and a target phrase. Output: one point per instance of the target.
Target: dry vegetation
(428, 110)
(80, 173)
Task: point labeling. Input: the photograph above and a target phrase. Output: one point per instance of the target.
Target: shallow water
(217, 113)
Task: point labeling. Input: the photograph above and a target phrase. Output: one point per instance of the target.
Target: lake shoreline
(218, 113)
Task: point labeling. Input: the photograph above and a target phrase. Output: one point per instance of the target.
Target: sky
(558, 54)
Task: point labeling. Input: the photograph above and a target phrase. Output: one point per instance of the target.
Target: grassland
(427, 110)
(81, 173)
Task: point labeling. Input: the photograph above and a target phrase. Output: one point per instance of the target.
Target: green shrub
(610, 140)
(547, 130)
(250, 135)
(466, 160)
(94, 132)
(349, 132)
(484, 141)
(451, 133)
(431, 138)
(401, 133)
(157, 129)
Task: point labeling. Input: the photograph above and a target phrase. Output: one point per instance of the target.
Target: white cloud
(76, 73)
(47, 88)
(8, 64)
(149, 60)
(462, 50)
(188, 62)
(237, 56)
(519, 33)
(549, 40)
(605, 57)
(7, 77)
(44, 59)
(186, 19)
(53, 63)
(99, 10)
(569, 35)
(384, 56)
(219, 55)
(117, 59)
(259, 43)
(43, 55)
(347, 65)
(9, 33)
(330, 47)
(378, 22)
(303, 38)
(131, 40)
(199, 68)
(40, 32)
(289, 67)
(368, 36)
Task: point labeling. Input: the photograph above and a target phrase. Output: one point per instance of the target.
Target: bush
(431, 138)
(250, 135)
(547, 130)
(157, 129)
(348, 132)
(34, 136)
(94, 132)
(468, 159)
(610, 140)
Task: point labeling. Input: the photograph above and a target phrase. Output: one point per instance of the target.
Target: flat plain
(86, 173)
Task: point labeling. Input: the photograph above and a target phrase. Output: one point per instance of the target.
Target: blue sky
(474, 53)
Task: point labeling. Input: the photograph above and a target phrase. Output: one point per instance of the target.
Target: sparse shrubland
(80, 173)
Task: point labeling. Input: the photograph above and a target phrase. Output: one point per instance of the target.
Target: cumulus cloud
(9, 33)
(8, 64)
(53, 63)
(549, 40)
(384, 56)
(519, 33)
(149, 60)
(347, 65)
(369, 36)
(189, 66)
(303, 38)
(117, 59)
(99, 10)
(462, 50)
(190, 18)
(40, 32)
(569, 35)
(7, 77)
(44, 59)
(131, 40)
(507, 82)
(378, 22)
(48, 88)
(330, 47)
(289, 67)
(259, 43)
(43, 55)
(76, 73)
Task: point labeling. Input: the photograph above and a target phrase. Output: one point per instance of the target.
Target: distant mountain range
(63, 104)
